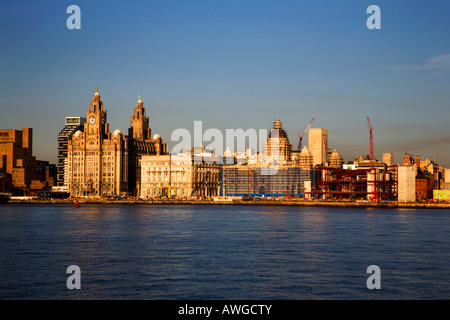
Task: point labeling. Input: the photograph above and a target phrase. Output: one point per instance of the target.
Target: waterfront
(222, 252)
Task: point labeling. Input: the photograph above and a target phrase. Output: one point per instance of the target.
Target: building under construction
(378, 184)
(312, 172)
(277, 172)
(368, 179)
(241, 180)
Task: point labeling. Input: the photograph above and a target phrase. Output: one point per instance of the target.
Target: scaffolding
(357, 184)
(256, 182)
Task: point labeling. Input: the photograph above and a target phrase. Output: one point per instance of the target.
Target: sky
(234, 64)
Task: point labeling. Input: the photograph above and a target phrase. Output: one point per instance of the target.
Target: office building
(181, 176)
(101, 163)
(72, 125)
(318, 145)
(17, 160)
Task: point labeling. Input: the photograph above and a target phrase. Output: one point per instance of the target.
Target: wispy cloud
(441, 63)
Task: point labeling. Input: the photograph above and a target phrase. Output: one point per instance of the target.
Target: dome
(156, 136)
(278, 125)
(77, 133)
(305, 152)
(336, 159)
(117, 132)
(335, 155)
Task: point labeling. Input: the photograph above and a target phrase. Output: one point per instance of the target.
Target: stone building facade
(278, 171)
(97, 159)
(140, 143)
(101, 163)
(179, 176)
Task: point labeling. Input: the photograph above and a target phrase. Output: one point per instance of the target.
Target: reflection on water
(222, 252)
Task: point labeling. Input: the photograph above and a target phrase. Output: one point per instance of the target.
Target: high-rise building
(318, 145)
(72, 125)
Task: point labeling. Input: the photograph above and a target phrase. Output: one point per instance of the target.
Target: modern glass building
(72, 124)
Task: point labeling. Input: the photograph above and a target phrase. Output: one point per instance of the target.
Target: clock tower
(97, 159)
(96, 118)
(100, 163)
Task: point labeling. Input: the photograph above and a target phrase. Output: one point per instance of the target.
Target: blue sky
(234, 64)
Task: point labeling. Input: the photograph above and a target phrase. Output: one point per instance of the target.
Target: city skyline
(234, 64)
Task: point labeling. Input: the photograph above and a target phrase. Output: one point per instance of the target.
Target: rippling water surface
(222, 252)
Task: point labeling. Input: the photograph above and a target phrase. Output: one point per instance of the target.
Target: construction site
(358, 184)
(250, 181)
(313, 172)
(376, 182)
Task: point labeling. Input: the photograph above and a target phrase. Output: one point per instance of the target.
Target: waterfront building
(46, 179)
(424, 186)
(277, 149)
(17, 160)
(239, 180)
(5, 183)
(97, 159)
(441, 195)
(179, 176)
(140, 143)
(72, 125)
(406, 184)
(278, 171)
(101, 163)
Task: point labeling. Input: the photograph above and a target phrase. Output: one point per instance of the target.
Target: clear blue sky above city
(234, 64)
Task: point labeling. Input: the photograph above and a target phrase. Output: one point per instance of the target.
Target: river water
(223, 252)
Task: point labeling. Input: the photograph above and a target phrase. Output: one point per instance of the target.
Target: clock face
(92, 120)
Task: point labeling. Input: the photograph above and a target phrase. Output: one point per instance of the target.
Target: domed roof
(117, 131)
(335, 155)
(278, 125)
(305, 152)
(156, 136)
(77, 133)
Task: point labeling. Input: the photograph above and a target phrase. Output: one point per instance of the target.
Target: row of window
(159, 185)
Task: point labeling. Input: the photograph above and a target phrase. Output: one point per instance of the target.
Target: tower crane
(299, 148)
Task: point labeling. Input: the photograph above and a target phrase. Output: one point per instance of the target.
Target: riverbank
(279, 202)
